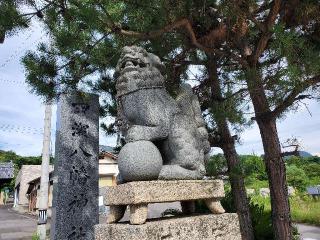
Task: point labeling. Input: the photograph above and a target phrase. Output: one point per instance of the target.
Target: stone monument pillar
(75, 191)
(162, 161)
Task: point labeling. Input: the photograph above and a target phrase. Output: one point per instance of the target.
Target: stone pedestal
(139, 194)
(213, 227)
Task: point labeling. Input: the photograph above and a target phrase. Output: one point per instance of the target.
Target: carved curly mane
(137, 69)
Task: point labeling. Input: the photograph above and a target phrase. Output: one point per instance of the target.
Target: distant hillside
(103, 148)
(301, 154)
(305, 154)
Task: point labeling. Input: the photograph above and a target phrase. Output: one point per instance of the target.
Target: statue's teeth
(129, 63)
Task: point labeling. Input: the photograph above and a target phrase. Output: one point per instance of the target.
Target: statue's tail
(189, 105)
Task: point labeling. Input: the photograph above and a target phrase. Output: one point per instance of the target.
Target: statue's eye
(142, 64)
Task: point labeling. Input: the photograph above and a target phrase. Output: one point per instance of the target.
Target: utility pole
(44, 180)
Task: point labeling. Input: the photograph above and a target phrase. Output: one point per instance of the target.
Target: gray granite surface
(146, 111)
(213, 227)
(163, 191)
(139, 160)
(75, 196)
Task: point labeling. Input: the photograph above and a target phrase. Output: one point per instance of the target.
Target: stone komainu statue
(166, 138)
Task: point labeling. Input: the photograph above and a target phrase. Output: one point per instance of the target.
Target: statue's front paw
(134, 134)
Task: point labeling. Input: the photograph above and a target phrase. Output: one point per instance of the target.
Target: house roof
(33, 181)
(28, 173)
(108, 151)
(108, 154)
(103, 148)
(6, 170)
(314, 190)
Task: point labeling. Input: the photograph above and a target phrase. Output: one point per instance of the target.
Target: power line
(20, 129)
(22, 132)
(16, 144)
(5, 125)
(6, 81)
(16, 52)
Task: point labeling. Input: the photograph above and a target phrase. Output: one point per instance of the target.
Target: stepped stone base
(213, 227)
(139, 194)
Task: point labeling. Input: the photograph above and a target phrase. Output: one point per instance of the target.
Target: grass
(304, 209)
(256, 184)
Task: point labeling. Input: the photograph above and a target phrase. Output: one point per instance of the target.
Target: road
(14, 226)
(309, 232)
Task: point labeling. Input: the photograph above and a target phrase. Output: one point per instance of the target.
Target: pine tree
(11, 19)
(270, 46)
(72, 34)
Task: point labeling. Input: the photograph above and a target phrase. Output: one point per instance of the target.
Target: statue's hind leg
(183, 151)
(175, 172)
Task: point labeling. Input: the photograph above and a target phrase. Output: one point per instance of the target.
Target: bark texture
(227, 144)
(274, 162)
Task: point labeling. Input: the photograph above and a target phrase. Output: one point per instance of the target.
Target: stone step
(201, 227)
(163, 191)
(16, 235)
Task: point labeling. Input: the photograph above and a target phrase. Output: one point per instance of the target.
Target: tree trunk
(276, 171)
(238, 191)
(274, 162)
(228, 146)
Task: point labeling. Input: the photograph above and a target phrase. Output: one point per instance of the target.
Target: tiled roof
(103, 148)
(6, 170)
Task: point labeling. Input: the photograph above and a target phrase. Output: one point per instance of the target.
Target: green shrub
(261, 218)
(261, 222)
(312, 170)
(171, 211)
(201, 207)
(35, 236)
(216, 164)
(253, 166)
(296, 177)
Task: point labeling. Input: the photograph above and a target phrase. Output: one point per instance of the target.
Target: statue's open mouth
(132, 64)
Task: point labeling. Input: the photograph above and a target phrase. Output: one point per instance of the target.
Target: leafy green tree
(18, 161)
(294, 160)
(296, 177)
(310, 165)
(253, 166)
(314, 159)
(312, 170)
(6, 156)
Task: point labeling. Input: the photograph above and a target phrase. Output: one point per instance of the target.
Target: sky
(22, 113)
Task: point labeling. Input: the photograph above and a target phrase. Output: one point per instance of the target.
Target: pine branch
(87, 50)
(266, 35)
(38, 12)
(183, 23)
(295, 95)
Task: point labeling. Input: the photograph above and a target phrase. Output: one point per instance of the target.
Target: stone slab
(213, 227)
(163, 191)
(75, 186)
